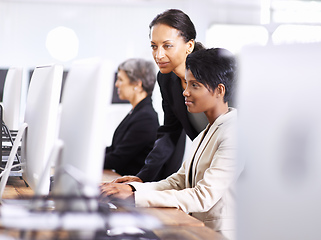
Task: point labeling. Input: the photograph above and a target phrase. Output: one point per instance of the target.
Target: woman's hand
(116, 190)
(127, 179)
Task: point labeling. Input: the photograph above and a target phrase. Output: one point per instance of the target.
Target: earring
(135, 88)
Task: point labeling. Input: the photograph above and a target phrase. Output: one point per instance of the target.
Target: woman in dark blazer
(172, 36)
(135, 136)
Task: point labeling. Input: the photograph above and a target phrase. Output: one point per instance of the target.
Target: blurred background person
(134, 138)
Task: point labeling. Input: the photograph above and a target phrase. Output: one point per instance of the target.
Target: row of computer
(66, 137)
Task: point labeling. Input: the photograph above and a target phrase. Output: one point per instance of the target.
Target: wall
(113, 30)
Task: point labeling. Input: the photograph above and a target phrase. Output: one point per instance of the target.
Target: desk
(176, 224)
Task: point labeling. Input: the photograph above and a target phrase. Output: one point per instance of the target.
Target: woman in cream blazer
(204, 185)
(210, 196)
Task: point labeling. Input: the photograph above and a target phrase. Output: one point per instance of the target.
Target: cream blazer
(211, 196)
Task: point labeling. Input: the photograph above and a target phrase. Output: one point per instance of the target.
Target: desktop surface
(175, 223)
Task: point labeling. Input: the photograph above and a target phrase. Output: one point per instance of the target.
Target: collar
(146, 101)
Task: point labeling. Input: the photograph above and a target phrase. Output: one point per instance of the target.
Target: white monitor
(41, 116)
(12, 98)
(78, 171)
(39, 130)
(280, 142)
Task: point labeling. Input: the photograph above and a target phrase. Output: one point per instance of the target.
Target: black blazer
(167, 154)
(133, 139)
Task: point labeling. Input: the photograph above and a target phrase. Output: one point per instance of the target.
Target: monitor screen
(3, 74)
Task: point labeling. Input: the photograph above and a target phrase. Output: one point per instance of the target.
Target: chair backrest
(12, 98)
(41, 116)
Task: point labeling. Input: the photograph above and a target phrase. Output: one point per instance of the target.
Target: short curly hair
(140, 69)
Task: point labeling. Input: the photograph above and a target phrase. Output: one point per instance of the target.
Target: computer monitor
(279, 141)
(3, 75)
(12, 98)
(64, 76)
(78, 171)
(41, 115)
(39, 130)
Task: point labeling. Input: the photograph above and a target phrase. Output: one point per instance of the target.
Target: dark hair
(140, 69)
(212, 67)
(179, 20)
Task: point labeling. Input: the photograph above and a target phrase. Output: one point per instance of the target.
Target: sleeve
(140, 134)
(168, 137)
(175, 181)
(216, 181)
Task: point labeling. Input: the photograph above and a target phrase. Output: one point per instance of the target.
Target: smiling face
(198, 98)
(169, 49)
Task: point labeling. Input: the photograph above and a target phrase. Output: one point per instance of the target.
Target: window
(289, 33)
(234, 37)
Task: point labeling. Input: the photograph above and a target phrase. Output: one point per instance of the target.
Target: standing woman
(172, 36)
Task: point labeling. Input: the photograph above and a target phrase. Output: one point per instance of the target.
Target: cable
(7, 132)
(13, 166)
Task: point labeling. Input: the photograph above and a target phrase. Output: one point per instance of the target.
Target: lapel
(171, 89)
(179, 100)
(201, 147)
(122, 128)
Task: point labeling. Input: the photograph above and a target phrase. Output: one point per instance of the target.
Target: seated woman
(203, 186)
(135, 136)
